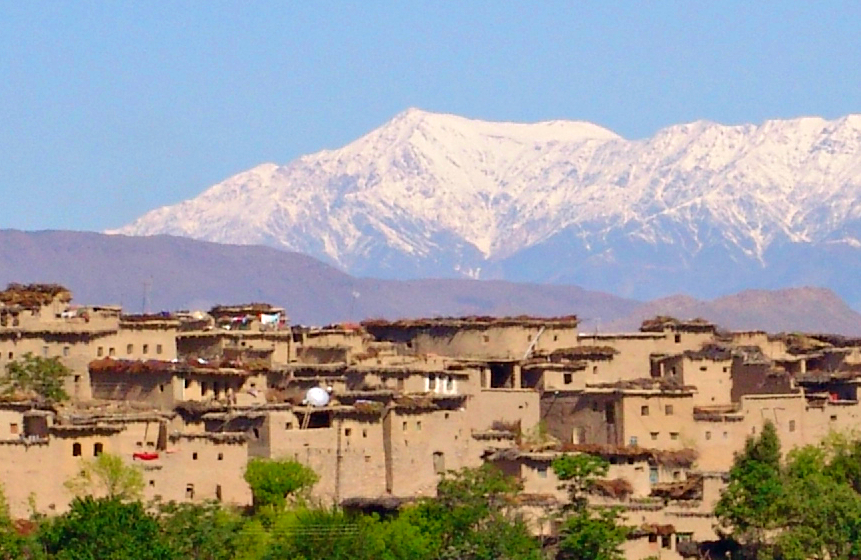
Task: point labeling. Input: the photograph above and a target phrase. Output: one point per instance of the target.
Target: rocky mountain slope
(163, 272)
(699, 208)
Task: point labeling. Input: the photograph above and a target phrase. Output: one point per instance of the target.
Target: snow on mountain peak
(439, 194)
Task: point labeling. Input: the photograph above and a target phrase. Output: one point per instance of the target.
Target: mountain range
(701, 208)
(167, 273)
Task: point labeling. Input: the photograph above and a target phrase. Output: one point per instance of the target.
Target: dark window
(567, 378)
(644, 410)
(76, 450)
(98, 449)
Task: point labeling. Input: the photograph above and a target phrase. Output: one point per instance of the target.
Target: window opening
(438, 462)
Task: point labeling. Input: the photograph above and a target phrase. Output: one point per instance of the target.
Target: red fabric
(145, 456)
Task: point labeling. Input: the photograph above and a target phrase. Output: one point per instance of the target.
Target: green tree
(749, 510)
(104, 529)
(36, 376)
(845, 459)
(107, 475)
(592, 534)
(252, 540)
(203, 531)
(587, 532)
(578, 474)
(330, 534)
(474, 517)
(272, 481)
(821, 514)
(13, 545)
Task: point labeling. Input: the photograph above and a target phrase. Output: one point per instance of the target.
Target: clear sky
(110, 109)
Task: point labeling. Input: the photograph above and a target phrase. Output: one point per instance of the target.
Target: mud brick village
(379, 409)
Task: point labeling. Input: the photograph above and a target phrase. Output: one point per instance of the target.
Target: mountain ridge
(165, 273)
(444, 196)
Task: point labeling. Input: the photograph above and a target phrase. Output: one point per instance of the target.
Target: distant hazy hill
(700, 208)
(793, 309)
(177, 273)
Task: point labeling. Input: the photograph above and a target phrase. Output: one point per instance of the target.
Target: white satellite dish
(317, 396)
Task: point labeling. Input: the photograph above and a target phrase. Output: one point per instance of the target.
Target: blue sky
(110, 109)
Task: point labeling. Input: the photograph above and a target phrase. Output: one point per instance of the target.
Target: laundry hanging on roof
(270, 318)
(145, 456)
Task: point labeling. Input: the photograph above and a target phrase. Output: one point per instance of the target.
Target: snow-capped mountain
(699, 207)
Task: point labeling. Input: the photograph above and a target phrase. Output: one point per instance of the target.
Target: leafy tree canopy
(200, 531)
(750, 505)
(108, 475)
(273, 480)
(35, 376)
(105, 529)
(579, 473)
(596, 534)
(473, 517)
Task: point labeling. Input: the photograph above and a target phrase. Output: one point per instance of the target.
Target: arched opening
(76, 450)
